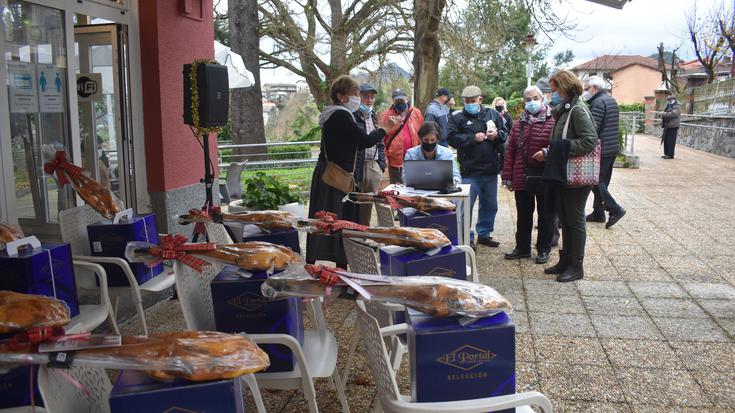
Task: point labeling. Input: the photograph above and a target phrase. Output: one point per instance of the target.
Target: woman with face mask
(342, 139)
(522, 175)
(403, 136)
(430, 149)
(500, 106)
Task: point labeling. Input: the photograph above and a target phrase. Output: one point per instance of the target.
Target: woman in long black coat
(341, 139)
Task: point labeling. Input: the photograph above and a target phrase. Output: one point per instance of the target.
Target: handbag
(583, 170)
(338, 178)
(531, 175)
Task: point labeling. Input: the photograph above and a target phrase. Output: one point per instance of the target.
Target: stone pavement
(650, 328)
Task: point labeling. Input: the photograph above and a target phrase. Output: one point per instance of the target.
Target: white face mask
(353, 104)
(586, 95)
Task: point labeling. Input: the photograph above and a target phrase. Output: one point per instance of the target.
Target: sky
(636, 29)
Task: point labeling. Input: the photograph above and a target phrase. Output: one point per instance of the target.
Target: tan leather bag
(338, 178)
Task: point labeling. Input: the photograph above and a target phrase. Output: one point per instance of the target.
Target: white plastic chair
(362, 258)
(77, 389)
(74, 223)
(233, 182)
(391, 400)
(92, 315)
(384, 214)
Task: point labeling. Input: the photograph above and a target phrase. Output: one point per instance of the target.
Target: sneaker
(615, 217)
(596, 217)
(488, 242)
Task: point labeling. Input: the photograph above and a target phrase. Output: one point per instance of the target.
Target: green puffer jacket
(582, 133)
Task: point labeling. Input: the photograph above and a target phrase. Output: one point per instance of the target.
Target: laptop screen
(428, 174)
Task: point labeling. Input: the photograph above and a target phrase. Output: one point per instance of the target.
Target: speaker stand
(209, 206)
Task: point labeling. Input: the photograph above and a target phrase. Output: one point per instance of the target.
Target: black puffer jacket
(606, 114)
(477, 158)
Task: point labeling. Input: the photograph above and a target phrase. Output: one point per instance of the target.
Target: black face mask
(499, 108)
(428, 147)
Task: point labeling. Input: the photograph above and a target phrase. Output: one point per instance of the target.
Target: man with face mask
(606, 115)
(370, 163)
(478, 135)
(670, 123)
(437, 111)
(404, 136)
(430, 149)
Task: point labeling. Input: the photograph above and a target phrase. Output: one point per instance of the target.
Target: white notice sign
(50, 86)
(22, 87)
(89, 87)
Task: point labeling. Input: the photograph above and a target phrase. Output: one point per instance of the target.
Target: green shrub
(281, 152)
(264, 192)
(631, 107)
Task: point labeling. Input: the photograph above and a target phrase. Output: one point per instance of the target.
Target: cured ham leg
(8, 234)
(20, 312)
(261, 219)
(396, 201)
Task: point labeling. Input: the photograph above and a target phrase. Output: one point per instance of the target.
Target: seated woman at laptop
(429, 150)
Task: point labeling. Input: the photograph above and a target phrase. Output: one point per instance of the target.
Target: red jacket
(536, 136)
(395, 151)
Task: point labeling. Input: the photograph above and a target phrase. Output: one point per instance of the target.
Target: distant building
(301, 85)
(267, 108)
(628, 78)
(278, 92)
(692, 74)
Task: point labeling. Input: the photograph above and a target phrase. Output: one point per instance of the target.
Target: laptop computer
(433, 175)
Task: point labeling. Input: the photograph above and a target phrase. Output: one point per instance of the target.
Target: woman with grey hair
(522, 175)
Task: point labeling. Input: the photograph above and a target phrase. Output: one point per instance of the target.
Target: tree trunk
(428, 14)
(246, 105)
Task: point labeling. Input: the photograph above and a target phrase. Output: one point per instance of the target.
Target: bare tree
(426, 54)
(300, 33)
(669, 76)
(707, 41)
(246, 104)
(726, 24)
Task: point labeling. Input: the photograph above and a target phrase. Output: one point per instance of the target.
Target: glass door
(102, 90)
(35, 59)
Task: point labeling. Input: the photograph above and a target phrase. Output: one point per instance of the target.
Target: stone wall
(704, 134)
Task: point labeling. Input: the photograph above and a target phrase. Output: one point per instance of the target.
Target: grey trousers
(570, 204)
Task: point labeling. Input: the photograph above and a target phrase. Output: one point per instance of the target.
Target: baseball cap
(399, 94)
(471, 91)
(367, 87)
(442, 91)
(544, 85)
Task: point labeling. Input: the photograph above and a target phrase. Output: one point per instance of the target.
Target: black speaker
(214, 95)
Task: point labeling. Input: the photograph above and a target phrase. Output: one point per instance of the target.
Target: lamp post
(530, 43)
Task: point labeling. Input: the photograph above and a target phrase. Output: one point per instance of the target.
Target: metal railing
(715, 99)
(630, 123)
(290, 162)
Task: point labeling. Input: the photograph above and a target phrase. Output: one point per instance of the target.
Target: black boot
(574, 271)
(560, 266)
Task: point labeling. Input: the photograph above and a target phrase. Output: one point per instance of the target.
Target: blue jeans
(486, 188)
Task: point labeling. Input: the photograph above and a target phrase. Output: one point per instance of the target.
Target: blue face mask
(555, 98)
(472, 108)
(400, 106)
(365, 108)
(533, 106)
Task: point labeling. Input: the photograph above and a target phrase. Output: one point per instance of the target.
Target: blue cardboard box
(239, 306)
(15, 387)
(444, 221)
(30, 272)
(135, 391)
(449, 361)
(448, 262)
(109, 240)
(287, 237)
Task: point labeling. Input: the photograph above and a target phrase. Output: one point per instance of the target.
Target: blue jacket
(442, 154)
(438, 113)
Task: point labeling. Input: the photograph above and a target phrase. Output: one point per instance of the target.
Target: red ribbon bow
(326, 275)
(397, 201)
(33, 336)
(328, 222)
(174, 247)
(211, 214)
(61, 166)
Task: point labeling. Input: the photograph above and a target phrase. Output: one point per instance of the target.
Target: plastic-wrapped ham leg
(397, 201)
(20, 312)
(421, 238)
(436, 296)
(8, 234)
(253, 256)
(262, 219)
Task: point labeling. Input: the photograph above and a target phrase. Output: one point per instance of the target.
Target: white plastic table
(462, 197)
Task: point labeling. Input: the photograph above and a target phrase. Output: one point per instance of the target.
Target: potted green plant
(264, 192)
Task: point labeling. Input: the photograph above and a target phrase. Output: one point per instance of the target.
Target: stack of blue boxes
(444, 221)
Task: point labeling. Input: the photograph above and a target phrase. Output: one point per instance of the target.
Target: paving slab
(718, 386)
(573, 406)
(579, 382)
(569, 350)
(710, 290)
(549, 287)
(613, 306)
(604, 288)
(641, 353)
(672, 307)
(632, 327)
(661, 387)
(690, 329)
(657, 289)
(572, 325)
(558, 304)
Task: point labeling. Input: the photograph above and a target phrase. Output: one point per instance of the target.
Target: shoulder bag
(392, 138)
(582, 170)
(336, 177)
